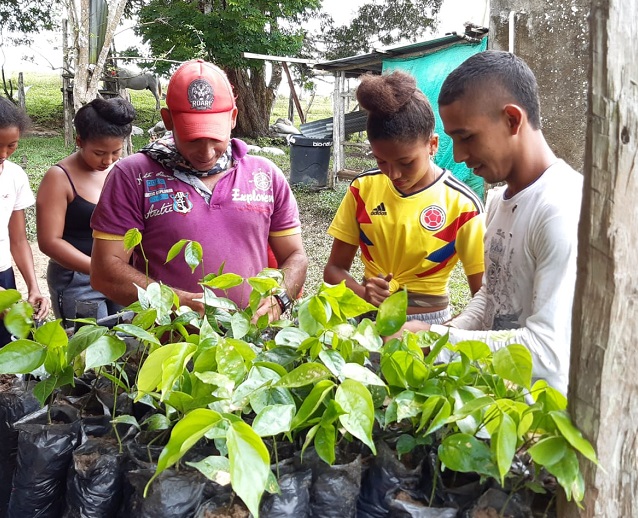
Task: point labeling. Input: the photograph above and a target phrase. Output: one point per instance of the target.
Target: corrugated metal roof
(354, 66)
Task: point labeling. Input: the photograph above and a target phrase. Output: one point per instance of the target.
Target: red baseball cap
(201, 101)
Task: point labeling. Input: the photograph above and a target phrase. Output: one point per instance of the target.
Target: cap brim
(191, 126)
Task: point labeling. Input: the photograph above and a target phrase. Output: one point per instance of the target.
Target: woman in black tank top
(66, 199)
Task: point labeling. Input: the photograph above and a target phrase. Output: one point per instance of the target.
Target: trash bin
(309, 160)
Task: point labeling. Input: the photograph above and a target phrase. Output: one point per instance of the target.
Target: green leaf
(549, 450)
(568, 475)
(224, 281)
(157, 422)
(325, 443)
(465, 453)
(440, 418)
(51, 334)
(573, 435)
(405, 444)
(126, 419)
(263, 285)
(44, 389)
(82, 338)
(8, 298)
(18, 319)
(240, 325)
(361, 374)
(104, 351)
(305, 374)
(307, 322)
(145, 318)
(408, 405)
(472, 406)
(514, 363)
(504, 445)
(132, 238)
(311, 403)
(429, 407)
(320, 311)
(21, 357)
(273, 420)
(367, 336)
(474, 350)
(392, 313)
(175, 250)
(151, 373)
(193, 254)
(355, 399)
(190, 429)
(137, 332)
(333, 360)
(215, 468)
(290, 337)
(230, 361)
(249, 464)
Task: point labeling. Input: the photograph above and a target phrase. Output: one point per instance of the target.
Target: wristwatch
(283, 300)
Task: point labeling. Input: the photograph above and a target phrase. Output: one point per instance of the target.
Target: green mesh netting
(430, 71)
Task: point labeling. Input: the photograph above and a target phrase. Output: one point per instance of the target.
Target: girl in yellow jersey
(411, 219)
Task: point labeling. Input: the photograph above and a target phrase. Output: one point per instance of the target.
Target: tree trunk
(603, 391)
(254, 99)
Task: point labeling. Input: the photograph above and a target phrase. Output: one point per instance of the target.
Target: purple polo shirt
(249, 203)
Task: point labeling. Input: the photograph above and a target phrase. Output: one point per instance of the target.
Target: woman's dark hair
(104, 118)
(396, 107)
(489, 71)
(12, 116)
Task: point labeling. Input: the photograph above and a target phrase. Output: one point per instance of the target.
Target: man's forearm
(295, 268)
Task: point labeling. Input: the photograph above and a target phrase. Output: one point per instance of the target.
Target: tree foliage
(378, 23)
(25, 17)
(219, 31)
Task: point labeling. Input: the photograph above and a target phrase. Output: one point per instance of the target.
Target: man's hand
(377, 289)
(41, 305)
(268, 306)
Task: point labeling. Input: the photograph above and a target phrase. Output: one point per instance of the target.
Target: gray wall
(553, 38)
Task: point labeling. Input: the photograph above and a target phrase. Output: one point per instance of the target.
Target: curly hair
(104, 118)
(396, 108)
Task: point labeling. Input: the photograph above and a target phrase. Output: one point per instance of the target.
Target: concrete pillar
(553, 38)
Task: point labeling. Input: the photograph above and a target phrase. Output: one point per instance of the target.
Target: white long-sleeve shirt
(530, 274)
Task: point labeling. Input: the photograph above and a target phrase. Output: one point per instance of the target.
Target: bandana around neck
(165, 152)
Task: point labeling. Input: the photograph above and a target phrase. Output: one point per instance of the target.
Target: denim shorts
(71, 290)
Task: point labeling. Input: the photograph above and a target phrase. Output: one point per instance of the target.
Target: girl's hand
(41, 305)
(377, 289)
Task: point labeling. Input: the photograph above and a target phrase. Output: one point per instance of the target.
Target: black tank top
(77, 223)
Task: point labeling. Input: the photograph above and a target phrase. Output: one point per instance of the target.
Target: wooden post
(603, 391)
(293, 94)
(21, 95)
(67, 88)
(338, 129)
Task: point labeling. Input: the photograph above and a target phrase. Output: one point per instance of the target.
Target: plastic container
(309, 160)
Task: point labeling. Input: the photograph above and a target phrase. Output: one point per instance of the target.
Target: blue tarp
(430, 71)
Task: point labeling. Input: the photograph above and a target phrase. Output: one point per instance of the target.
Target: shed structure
(429, 62)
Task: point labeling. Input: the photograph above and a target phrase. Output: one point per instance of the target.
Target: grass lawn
(44, 146)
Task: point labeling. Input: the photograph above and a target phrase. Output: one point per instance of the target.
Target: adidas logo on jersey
(379, 210)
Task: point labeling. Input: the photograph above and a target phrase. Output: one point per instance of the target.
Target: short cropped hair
(495, 68)
(396, 108)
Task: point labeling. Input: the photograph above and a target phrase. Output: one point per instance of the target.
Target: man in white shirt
(489, 106)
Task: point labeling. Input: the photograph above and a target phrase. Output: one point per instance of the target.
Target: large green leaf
(230, 361)
(273, 420)
(514, 363)
(408, 405)
(18, 319)
(474, 349)
(361, 374)
(240, 325)
(367, 336)
(568, 475)
(333, 360)
(305, 374)
(465, 453)
(224, 281)
(307, 322)
(51, 334)
(549, 450)
(504, 445)
(82, 338)
(193, 254)
(249, 464)
(263, 285)
(355, 399)
(21, 357)
(132, 238)
(151, 373)
(573, 435)
(104, 351)
(311, 403)
(319, 310)
(175, 250)
(290, 337)
(190, 429)
(441, 417)
(325, 443)
(137, 332)
(8, 298)
(392, 313)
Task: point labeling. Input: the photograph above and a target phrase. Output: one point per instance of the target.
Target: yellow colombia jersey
(417, 237)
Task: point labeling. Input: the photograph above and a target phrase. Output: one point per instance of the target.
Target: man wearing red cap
(197, 184)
